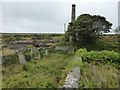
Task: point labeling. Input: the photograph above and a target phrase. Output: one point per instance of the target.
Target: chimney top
(73, 5)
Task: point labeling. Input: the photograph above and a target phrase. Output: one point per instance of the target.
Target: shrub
(42, 51)
(25, 67)
(98, 56)
(10, 59)
(58, 51)
(4, 46)
(34, 54)
(81, 51)
(3, 71)
(99, 45)
(27, 50)
(63, 43)
(27, 57)
(31, 55)
(30, 46)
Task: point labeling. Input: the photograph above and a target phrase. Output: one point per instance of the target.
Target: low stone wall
(72, 80)
(22, 57)
(61, 48)
(69, 49)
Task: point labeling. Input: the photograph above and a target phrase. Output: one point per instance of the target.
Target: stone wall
(21, 57)
(72, 80)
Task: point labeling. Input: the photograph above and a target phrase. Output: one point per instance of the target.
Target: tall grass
(94, 76)
(48, 72)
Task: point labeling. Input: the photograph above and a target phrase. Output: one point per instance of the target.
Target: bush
(30, 46)
(10, 59)
(25, 67)
(42, 51)
(31, 55)
(58, 51)
(4, 46)
(81, 51)
(98, 56)
(28, 57)
(99, 45)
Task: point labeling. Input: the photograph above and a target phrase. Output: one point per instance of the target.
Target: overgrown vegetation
(95, 76)
(98, 62)
(9, 56)
(99, 56)
(97, 69)
(87, 28)
(48, 72)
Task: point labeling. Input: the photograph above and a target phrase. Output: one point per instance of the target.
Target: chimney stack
(118, 13)
(73, 12)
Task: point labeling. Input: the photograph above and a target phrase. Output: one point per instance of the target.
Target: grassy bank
(99, 65)
(48, 72)
(94, 76)
(51, 71)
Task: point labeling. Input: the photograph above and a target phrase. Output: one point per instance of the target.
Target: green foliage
(101, 44)
(52, 51)
(32, 55)
(27, 54)
(27, 57)
(63, 43)
(42, 51)
(10, 59)
(49, 72)
(74, 63)
(52, 69)
(3, 46)
(104, 76)
(30, 46)
(86, 28)
(25, 67)
(9, 38)
(35, 53)
(3, 71)
(98, 56)
(81, 51)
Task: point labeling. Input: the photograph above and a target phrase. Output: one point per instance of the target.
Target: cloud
(50, 16)
(59, 0)
(33, 16)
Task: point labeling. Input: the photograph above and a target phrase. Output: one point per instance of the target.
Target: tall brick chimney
(73, 12)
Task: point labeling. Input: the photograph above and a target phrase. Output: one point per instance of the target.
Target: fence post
(46, 51)
(39, 55)
(70, 38)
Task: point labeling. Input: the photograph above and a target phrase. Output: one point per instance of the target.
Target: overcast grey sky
(49, 17)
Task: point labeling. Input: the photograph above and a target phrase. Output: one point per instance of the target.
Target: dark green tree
(87, 28)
